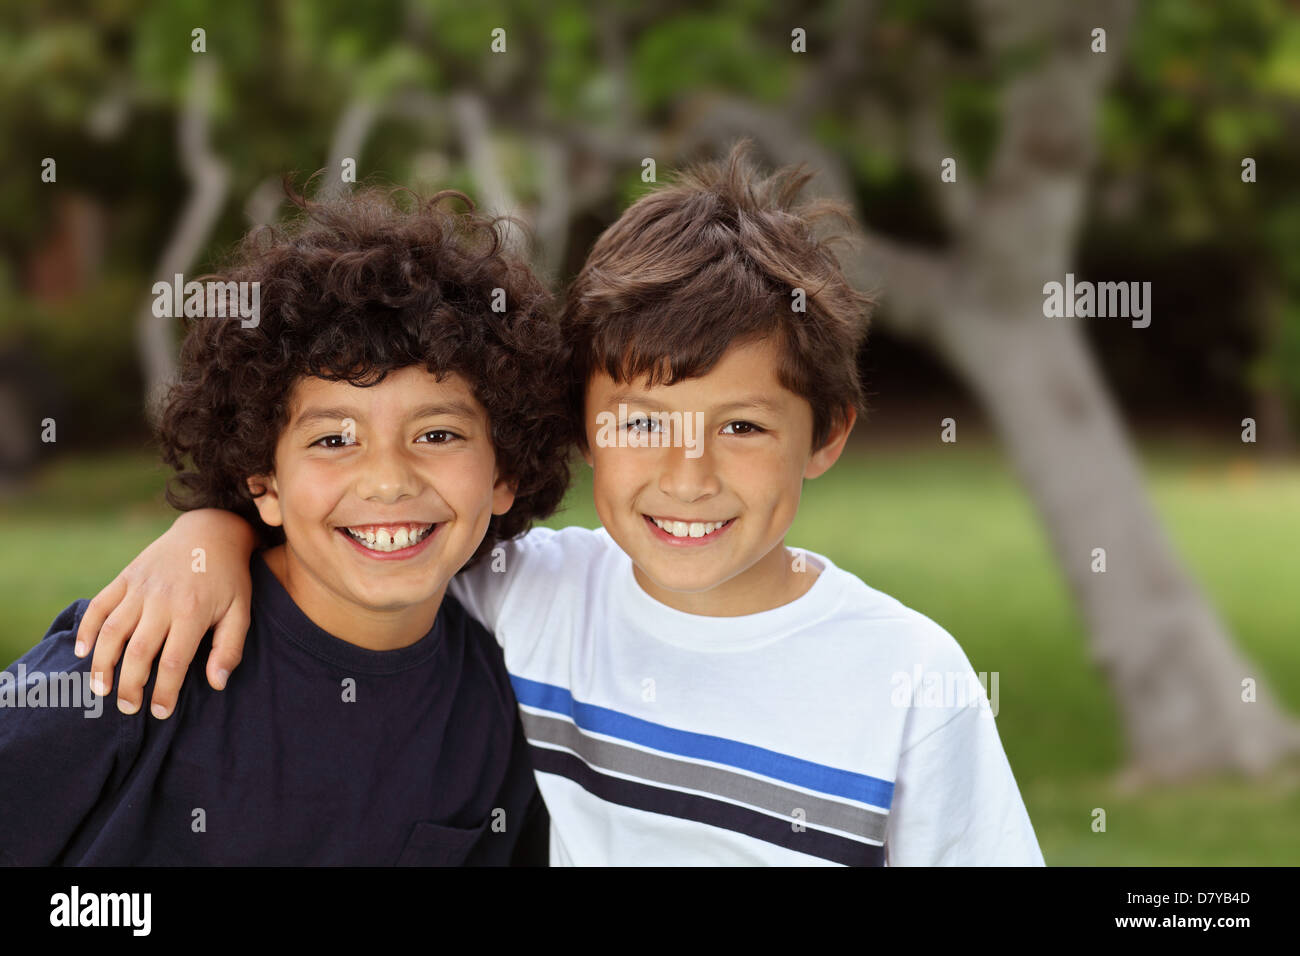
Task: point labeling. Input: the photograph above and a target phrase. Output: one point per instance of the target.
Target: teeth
(394, 539)
(695, 529)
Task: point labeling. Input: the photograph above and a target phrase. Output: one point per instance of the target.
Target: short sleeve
(956, 802)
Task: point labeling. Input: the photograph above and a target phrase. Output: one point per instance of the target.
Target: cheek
(466, 486)
(316, 491)
(779, 494)
(600, 485)
(616, 473)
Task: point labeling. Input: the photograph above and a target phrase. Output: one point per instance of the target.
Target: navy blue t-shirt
(318, 752)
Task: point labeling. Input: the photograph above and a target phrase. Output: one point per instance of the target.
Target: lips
(387, 538)
(682, 529)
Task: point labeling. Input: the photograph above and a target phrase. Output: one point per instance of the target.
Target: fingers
(178, 651)
(113, 635)
(228, 643)
(96, 612)
(137, 659)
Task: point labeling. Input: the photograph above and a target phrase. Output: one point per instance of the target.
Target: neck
(375, 629)
(778, 578)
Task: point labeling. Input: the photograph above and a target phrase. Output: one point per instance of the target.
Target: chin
(679, 583)
(390, 603)
(392, 598)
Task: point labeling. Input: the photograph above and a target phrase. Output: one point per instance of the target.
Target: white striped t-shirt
(840, 728)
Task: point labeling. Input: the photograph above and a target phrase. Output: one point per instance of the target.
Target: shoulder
(929, 675)
(49, 689)
(572, 540)
(895, 627)
(546, 549)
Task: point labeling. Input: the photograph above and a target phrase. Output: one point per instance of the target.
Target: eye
(439, 436)
(742, 428)
(333, 441)
(641, 423)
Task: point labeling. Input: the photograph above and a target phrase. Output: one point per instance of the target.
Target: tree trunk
(1175, 672)
(1176, 675)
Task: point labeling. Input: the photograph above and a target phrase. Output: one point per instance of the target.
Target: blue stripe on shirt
(684, 743)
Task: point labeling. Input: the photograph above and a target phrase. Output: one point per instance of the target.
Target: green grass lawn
(948, 532)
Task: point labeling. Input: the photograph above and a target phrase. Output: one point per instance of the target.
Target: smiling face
(384, 493)
(704, 513)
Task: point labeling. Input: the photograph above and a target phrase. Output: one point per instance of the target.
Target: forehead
(746, 368)
(401, 392)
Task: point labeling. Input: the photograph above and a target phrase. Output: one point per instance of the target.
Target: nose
(386, 475)
(689, 477)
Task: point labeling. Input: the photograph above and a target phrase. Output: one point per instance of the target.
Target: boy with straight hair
(381, 426)
(695, 692)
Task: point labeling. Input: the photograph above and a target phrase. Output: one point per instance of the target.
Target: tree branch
(209, 180)
(494, 194)
(350, 134)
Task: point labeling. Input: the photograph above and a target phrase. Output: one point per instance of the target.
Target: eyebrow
(454, 409)
(756, 402)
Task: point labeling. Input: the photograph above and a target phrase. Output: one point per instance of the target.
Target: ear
(830, 451)
(266, 495)
(503, 495)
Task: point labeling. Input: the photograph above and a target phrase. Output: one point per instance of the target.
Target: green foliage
(572, 83)
(162, 52)
(1207, 86)
(1280, 72)
(970, 113)
(96, 398)
(691, 52)
(52, 73)
(1202, 85)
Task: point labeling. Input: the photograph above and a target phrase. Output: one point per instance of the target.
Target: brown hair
(356, 288)
(710, 260)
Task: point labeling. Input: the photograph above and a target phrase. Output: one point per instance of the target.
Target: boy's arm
(60, 748)
(956, 802)
(193, 578)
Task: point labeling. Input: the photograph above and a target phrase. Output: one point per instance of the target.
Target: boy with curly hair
(695, 692)
(388, 419)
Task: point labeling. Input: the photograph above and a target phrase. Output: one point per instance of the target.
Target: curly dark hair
(352, 289)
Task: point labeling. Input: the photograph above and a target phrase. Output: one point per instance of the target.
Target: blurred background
(1105, 515)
